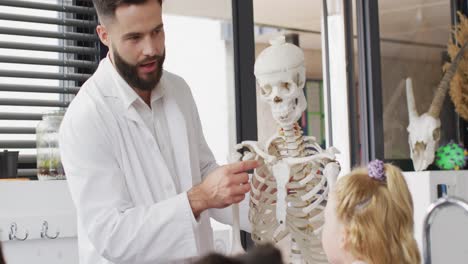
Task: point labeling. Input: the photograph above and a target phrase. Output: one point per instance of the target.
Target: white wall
(196, 52)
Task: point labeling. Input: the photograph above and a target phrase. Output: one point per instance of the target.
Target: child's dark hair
(262, 254)
(2, 260)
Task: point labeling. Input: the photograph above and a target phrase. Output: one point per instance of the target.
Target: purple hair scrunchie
(376, 170)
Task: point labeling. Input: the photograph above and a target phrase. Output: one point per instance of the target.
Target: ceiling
(417, 21)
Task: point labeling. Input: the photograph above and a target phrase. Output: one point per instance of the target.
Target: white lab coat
(127, 205)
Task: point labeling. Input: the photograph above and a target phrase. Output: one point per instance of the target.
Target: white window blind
(48, 48)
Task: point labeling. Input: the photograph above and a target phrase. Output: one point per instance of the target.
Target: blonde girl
(369, 218)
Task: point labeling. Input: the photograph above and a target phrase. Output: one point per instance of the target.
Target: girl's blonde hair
(378, 217)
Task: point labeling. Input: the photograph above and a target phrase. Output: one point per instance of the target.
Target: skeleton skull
(280, 74)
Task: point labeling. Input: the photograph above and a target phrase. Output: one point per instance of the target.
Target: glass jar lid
(54, 114)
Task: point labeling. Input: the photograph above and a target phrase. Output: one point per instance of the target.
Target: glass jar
(49, 165)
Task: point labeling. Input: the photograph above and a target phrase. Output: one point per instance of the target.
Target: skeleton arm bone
(236, 247)
(331, 171)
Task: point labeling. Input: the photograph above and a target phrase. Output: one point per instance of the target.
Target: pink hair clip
(376, 170)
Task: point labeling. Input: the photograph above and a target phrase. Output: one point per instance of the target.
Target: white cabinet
(28, 204)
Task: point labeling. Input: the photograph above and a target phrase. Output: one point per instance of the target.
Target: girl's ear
(344, 238)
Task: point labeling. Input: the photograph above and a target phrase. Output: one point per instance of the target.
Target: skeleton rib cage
(306, 192)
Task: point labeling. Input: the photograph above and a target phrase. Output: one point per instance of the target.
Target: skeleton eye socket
(436, 134)
(265, 90)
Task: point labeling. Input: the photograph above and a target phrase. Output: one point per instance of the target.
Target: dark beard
(129, 72)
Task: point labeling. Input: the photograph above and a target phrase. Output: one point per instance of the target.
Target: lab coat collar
(124, 91)
(121, 90)
(175, 118)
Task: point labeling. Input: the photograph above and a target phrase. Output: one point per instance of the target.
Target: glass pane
(313, 122)
(414, 36)
(199, 48)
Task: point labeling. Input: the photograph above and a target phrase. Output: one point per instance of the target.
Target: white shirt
(128, 204)
(154, 118)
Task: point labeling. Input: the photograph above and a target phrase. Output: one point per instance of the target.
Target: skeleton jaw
(285, 116)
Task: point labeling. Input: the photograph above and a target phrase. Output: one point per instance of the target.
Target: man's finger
(240, 178)
(240, 189)
(242, 166)
(238, 199)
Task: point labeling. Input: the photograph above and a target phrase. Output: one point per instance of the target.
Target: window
(48, 48)
(413, 42)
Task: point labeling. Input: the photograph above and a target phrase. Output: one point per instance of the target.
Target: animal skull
(280, 74)
(424, 133)
(424, 130)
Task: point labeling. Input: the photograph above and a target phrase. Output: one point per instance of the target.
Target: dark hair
(262, 254)
(106, 8)
(215, 258)
(2, 260)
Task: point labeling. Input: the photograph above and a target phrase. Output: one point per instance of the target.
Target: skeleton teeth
(284, 114)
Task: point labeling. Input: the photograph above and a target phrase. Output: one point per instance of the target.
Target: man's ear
(103, 34)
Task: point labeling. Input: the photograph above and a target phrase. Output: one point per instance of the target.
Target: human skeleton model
(289, 191)
(424, 130)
